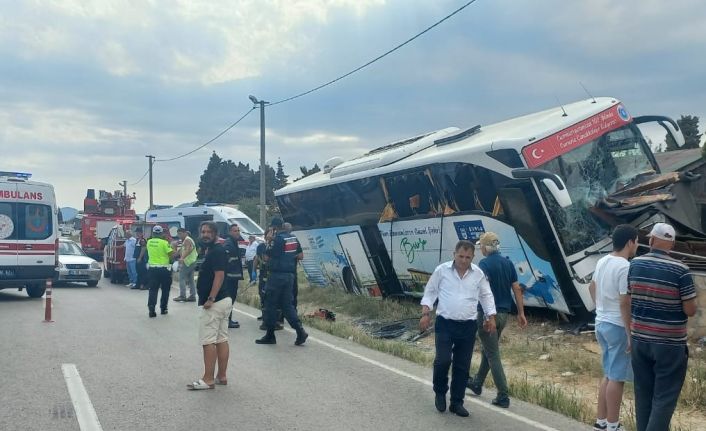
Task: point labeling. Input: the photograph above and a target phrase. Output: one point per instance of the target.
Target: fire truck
(99, 217)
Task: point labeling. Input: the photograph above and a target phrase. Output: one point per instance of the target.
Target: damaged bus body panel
(551, 184)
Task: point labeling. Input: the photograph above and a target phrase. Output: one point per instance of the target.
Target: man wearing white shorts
(609, 290)
(215, 298)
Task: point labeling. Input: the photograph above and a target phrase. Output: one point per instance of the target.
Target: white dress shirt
(459, 296)
(251, 250)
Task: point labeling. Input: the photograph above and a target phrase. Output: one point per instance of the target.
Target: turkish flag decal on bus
(573, 137)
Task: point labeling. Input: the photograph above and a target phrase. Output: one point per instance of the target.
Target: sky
(89, 88)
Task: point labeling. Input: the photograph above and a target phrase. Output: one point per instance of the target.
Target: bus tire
(35, 290)
(350, 282)
(92, 283)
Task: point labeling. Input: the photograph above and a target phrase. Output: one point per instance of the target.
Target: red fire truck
(99, 217)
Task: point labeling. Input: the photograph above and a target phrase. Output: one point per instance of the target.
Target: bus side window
(413, 194)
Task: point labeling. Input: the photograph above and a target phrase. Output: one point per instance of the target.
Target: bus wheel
(35, 290)
(350, 282)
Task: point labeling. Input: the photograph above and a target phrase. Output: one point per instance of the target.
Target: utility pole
(151, 162)
(263, 203)
(124, 184)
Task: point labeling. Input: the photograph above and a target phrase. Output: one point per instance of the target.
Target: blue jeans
(131, 270)
(659, 371)
(454, 346)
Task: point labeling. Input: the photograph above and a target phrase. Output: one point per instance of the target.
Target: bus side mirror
(560, 194)
(671, 126)
(552, 181)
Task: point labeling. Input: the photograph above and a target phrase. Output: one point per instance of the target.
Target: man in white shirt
(250, 253)
(130, 262)
(458, 285)
(609, 290)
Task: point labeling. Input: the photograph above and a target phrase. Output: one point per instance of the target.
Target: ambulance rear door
(8, 232)
(37, 230)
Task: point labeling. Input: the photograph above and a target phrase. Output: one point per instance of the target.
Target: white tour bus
(28, 233)
(190, 216)
(379, 224)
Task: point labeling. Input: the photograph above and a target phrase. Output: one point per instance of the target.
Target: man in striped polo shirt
(662, 297)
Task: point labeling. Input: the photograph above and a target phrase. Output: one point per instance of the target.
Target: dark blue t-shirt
(501, 274)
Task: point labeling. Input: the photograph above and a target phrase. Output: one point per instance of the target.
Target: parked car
(76, 266)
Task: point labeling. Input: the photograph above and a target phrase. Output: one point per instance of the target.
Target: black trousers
(659, 371)
(159, 278)
(454, 346)
(279, 295)
(231, 284)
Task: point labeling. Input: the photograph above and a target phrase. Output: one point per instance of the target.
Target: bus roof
(454, 145)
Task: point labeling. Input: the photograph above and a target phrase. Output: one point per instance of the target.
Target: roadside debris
(323, 314)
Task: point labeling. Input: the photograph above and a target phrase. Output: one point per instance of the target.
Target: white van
(28, 233)
(190, 217)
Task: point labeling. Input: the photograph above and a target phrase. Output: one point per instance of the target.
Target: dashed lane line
(86, 415)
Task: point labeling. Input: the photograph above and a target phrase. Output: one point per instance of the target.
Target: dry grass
(565, 382)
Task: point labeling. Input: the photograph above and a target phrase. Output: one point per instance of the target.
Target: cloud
(201, 41)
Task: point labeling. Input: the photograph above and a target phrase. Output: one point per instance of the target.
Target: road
(134, 371)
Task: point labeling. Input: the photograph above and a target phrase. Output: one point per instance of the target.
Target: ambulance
(28, 233)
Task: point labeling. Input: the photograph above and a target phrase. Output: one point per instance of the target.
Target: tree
(224, 181)
(306, 172)
(280, 176)
(689, 126)
(208, 183)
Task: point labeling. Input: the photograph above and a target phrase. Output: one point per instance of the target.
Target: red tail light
(56, 252)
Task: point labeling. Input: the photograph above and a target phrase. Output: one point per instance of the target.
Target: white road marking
(476, 401)
(86, 415)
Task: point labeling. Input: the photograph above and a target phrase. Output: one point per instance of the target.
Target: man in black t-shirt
(215, 297)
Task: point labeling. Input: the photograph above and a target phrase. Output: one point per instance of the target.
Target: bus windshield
(591, 172)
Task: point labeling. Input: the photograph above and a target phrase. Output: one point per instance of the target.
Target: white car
(75, 266)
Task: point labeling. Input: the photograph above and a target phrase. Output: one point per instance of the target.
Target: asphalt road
(134, 371)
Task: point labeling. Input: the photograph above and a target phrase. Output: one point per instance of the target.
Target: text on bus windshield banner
(572, 137)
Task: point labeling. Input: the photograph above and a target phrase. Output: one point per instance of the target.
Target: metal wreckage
(651, 198)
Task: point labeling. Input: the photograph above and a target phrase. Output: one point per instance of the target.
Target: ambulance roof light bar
(22, 175)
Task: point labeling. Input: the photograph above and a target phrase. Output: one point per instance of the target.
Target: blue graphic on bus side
(469, 230)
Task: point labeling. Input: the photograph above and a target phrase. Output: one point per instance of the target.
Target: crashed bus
(551, 184)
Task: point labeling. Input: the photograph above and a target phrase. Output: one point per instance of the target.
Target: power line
(376, 58)
(141, 178)
(208, 142)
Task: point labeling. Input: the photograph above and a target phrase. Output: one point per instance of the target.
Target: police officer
(282, 255)
(234, 267)
(159, 252)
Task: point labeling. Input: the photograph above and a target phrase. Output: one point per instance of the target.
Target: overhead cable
(208, 142)
(376, 58)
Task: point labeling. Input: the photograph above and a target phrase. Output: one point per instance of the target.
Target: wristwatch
(211, 298)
